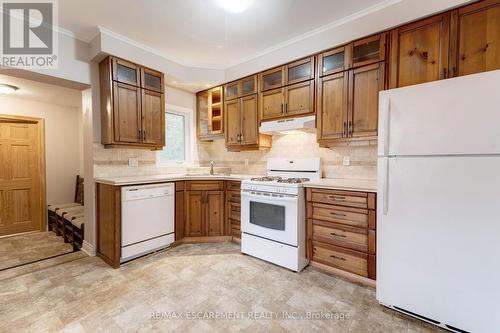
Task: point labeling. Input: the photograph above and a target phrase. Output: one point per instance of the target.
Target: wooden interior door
(249, 121)
(272, 104)
(476, 30)
(299, 99)
(20, 178)
(420, 51)
(215, 213)
(127, 113)
(332, 106)
(364, 86)
(153, 113)
(233, 122)
(195, 214)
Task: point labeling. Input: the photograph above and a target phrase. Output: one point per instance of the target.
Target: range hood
(284, 126)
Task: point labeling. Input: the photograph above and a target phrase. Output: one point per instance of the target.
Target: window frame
(188, 135)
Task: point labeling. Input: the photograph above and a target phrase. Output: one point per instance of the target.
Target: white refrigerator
(438, 222)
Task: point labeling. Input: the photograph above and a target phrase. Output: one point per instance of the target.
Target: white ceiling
(42, 92)
(198, 33)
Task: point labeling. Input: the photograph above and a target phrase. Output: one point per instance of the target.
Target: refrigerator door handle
(385, 186)
(386, 111)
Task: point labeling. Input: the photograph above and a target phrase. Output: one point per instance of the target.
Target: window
(177, 148)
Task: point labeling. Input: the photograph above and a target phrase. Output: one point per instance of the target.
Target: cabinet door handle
(144, 135)
(337, 214)
(344, 132)
(282, 110)
(139, 135)
(286, 107)
(337, 235)
(350, 128)
(237, 137)
(338, 258)
(241, 137)
(337, 198)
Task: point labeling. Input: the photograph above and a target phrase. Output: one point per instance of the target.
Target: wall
(300, 145)
(63, 146)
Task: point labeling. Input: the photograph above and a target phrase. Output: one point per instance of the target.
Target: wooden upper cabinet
(233, 122)
(240, 88)
(152, 80)
(209, 114)
(332, 107)
(299, 71)
(476, 38)
(126, 72)
(272, 78)
(369, 50)
(132, 105)
(420, 51)
(249, 121)
(153, 116)
(127, 113)
(365, 83)
(272, 104)
(335, 61)
(299, 98)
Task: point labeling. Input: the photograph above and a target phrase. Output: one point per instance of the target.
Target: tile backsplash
(363, 159)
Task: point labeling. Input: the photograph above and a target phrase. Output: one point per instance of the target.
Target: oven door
(269, 215)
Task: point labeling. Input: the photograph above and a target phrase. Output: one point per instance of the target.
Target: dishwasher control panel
(138, 192)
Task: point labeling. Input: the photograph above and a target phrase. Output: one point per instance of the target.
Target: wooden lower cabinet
(179, 210)
(108, 223)
(204, 209)
(341, 230)
(233, 210)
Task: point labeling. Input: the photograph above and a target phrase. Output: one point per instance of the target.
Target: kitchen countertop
(134, 180)
(367, 185)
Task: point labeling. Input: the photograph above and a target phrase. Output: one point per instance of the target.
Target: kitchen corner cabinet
(347, 105)
(242, 122)
(341, 232)
(475, 42)
(209, 114)
(132, 105)
(288, 90)
(204, 204)
(420, 51)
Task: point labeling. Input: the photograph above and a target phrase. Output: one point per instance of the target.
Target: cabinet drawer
(233, 196)
(234, 211)
(350, 199)
(348, 260)
(348, 237)
(199, 185)
(233, 185)
(338, 214)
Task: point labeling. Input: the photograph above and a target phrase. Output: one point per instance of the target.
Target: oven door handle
(278, 197)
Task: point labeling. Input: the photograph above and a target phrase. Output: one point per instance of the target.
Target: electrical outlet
(346, 161)
(133, 162)
(246, 162)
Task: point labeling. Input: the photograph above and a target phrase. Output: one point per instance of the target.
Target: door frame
(40, 123)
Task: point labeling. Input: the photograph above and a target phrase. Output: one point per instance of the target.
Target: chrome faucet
(211, 168)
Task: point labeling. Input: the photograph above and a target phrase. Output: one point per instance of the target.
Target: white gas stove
(273, 212)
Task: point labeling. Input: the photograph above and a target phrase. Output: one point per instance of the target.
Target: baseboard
(211, 239)
(88, 248)
(346, 275)
(236, 240)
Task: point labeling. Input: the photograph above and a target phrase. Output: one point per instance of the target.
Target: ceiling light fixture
(6, 89)
(234, 6)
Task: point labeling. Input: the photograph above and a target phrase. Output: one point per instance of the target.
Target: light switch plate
(346, 161)
(133, 162)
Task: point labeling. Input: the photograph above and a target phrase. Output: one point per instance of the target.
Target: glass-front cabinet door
(126, 72)
(368, 50)
(232, 90)
(335, 61)
(248, 85)
(272, 79)
(301, 70)
(151, 80)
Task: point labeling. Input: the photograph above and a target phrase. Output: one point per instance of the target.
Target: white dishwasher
(147, 219)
